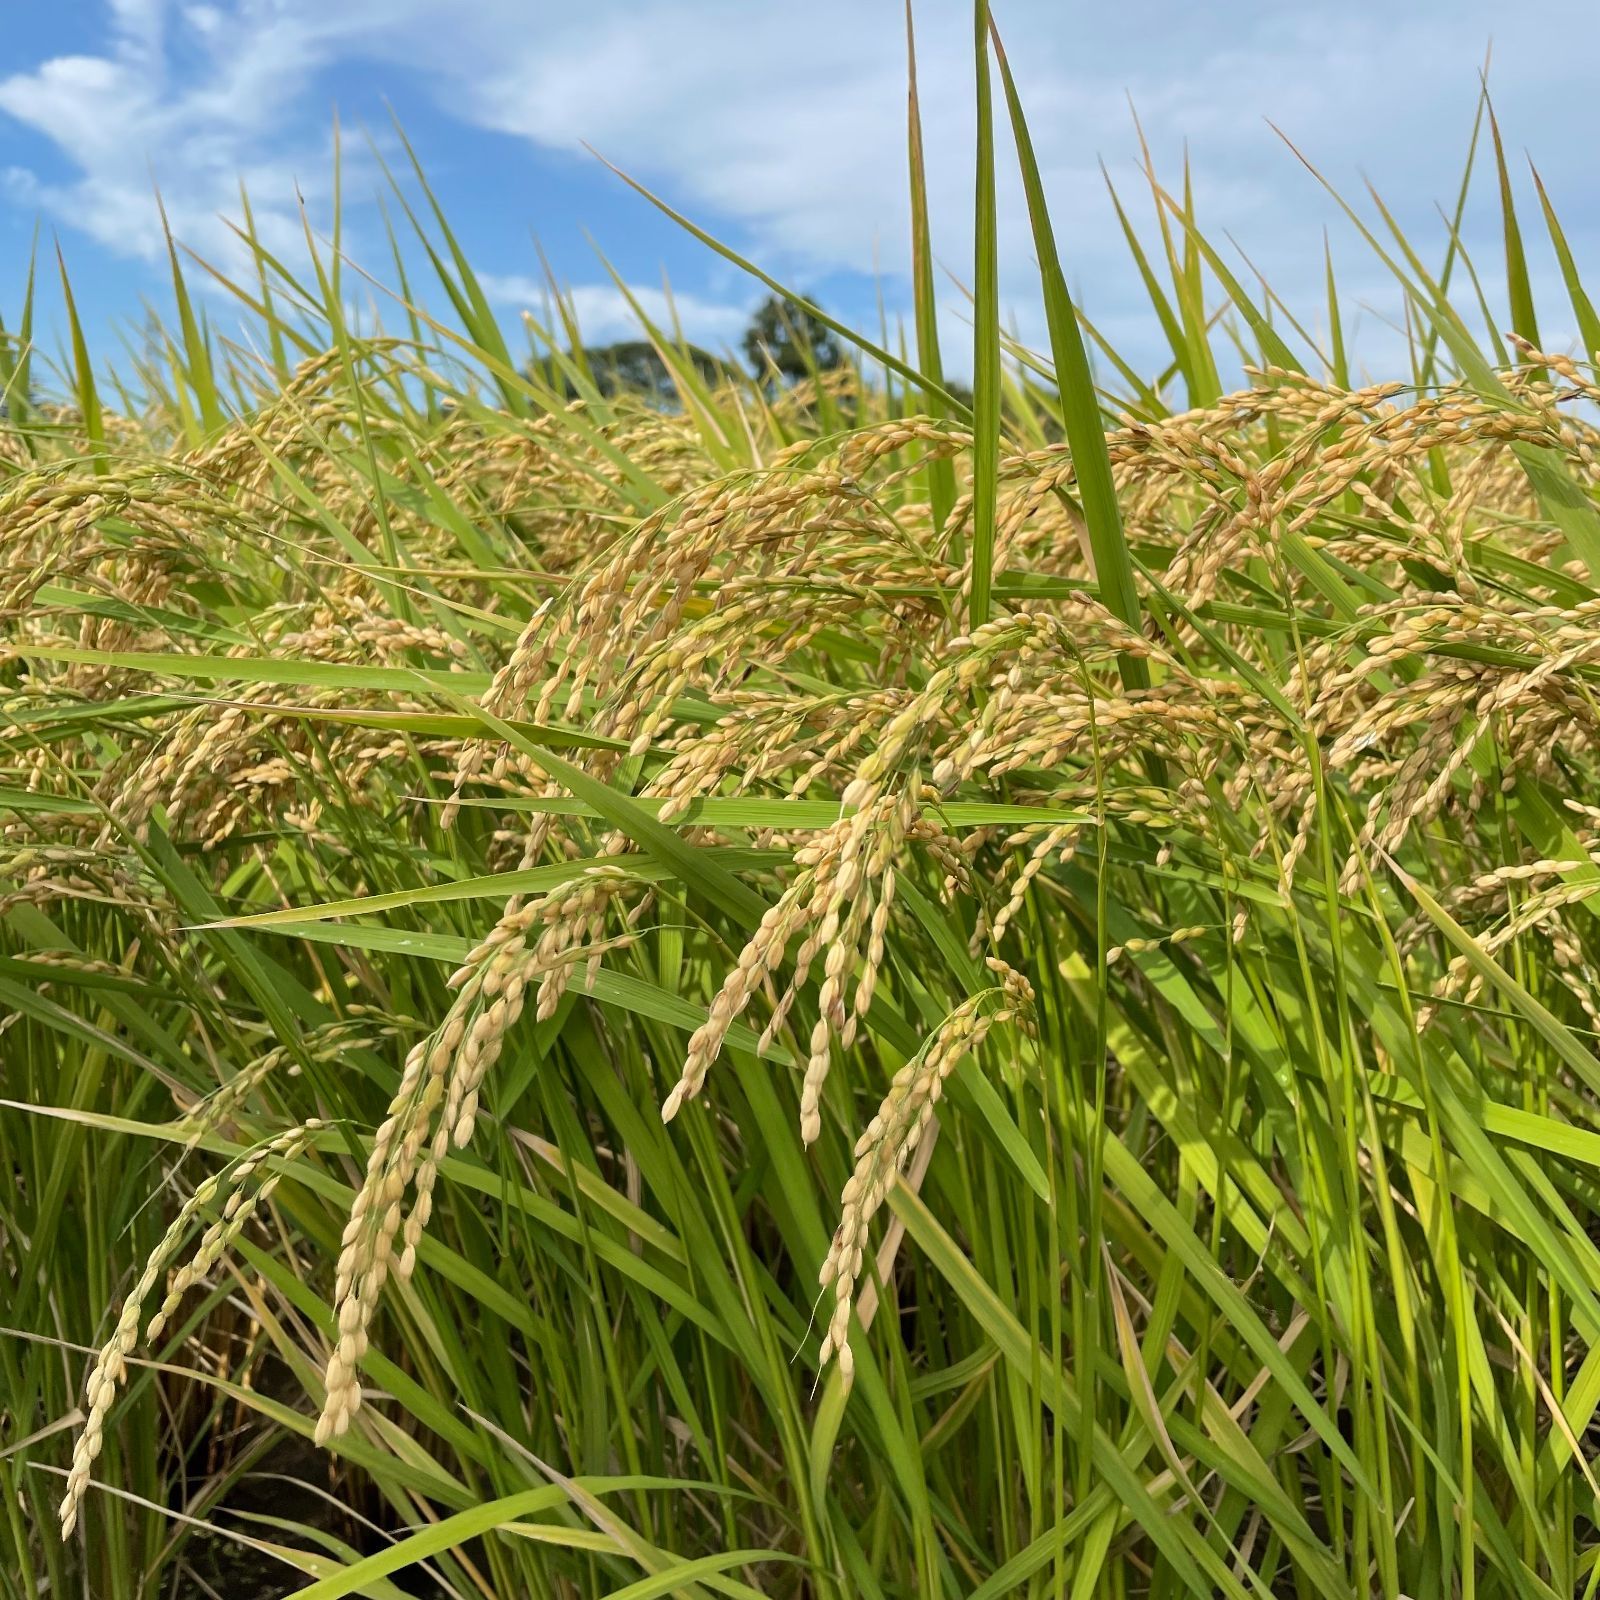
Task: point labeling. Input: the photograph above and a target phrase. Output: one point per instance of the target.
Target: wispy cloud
(190, 100)
(797, 135)
(787, 129)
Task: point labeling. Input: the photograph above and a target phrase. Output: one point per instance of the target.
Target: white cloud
(204, 19)
(792, 126)
(19, 185)
(186, 100)
(786, 126)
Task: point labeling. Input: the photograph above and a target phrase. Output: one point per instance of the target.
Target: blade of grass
(1079, 406)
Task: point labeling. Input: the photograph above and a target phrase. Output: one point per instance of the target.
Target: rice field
(847, 989)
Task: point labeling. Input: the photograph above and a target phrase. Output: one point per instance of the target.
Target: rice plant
(831, 992)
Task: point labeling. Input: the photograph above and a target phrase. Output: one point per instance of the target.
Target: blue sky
(779, 127)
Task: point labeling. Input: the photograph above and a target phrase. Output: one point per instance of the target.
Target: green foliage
(636, 368)
(788, 338)
(1193, 950)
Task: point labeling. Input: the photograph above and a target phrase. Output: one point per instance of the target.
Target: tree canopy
(783, 341)
(786, 338)
(635, 366)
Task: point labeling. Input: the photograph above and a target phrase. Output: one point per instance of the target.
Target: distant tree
(782, 334)
(634, 367)
(957, 390)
